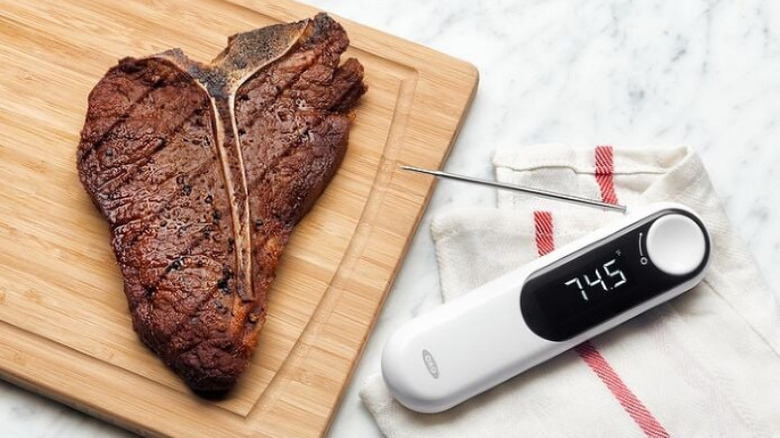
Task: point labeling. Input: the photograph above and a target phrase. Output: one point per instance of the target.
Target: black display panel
(597, 283)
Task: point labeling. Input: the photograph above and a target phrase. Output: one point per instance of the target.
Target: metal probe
(531, 191)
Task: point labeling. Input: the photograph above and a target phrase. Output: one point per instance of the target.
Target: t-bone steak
(203, 170)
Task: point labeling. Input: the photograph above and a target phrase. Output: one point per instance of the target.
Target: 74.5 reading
(611, 272)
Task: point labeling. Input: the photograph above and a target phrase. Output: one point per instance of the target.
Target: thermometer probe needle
(528, 190)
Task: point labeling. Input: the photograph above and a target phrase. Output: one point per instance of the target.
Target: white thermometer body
(548, 306)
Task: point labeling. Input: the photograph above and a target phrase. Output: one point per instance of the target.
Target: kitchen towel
(706, 364)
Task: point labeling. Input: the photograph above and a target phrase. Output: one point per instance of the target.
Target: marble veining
(630, 74)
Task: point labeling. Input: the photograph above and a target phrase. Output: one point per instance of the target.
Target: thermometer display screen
(594, 284)
(591, 286)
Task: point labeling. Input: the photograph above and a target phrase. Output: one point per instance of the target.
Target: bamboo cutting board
(64, 326)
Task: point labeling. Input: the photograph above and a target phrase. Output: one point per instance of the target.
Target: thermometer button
(676, 244)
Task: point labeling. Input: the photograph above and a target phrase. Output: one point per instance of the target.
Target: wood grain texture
(64, 326)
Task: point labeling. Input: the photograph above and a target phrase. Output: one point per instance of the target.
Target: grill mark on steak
(170, 267)
(123, 115)
(186, 252)
(120, 204)
(202, 171)
(120, 120)
(279, 90)
(194, 314)
(198, 312)
(276, 159)
(356, 90)
(111, 195)
(165, 206)
(133, 167)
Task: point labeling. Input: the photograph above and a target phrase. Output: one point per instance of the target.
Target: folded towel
(705, 364)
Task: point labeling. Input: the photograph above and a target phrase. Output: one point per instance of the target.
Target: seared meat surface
(203, 170)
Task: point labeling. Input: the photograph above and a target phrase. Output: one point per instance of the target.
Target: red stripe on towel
(635, 408)
(604, 169)
(544, 232)
(545, 243)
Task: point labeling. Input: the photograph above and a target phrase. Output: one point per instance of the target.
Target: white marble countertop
(702, 73)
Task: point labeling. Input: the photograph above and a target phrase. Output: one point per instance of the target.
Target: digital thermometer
(546, 307)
